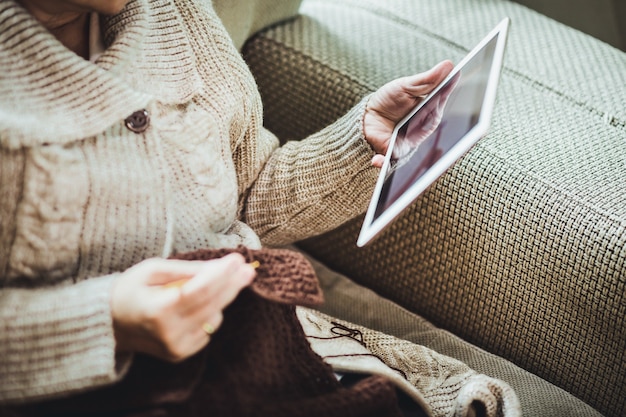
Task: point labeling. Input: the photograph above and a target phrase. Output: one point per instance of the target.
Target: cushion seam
(506, 161)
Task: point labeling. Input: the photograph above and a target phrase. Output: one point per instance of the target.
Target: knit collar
(51, 95)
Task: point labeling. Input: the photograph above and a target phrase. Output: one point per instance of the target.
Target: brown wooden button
(138, 121)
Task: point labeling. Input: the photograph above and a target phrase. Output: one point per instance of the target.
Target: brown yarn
(283, 276)
(258, 363)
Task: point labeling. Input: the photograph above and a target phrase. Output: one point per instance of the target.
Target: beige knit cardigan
(84, 197)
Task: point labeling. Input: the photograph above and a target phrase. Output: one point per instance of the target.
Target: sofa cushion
(521, 247)
(354, 303)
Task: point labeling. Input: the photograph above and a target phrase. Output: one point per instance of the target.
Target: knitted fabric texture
(84, 198)
(445, 387)
(258, 363)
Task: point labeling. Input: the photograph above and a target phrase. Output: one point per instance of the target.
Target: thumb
(424, 83)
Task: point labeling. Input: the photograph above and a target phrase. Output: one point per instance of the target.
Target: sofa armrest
(521, 247)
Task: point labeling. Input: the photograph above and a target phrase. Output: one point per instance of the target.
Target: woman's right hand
(167, 322)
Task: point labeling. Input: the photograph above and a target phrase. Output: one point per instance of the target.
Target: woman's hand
(394, 100)
(423, 124)
(167, 322)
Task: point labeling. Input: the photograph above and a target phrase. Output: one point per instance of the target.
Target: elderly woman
(131, 131)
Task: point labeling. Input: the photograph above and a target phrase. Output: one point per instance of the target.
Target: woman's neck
(71, 28)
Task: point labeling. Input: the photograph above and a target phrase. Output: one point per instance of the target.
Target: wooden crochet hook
(180, 282)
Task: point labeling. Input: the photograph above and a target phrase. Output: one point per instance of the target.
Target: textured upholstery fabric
(357, 304)
(84, 196)
(244, 17)
(521, 247)
(258, 363)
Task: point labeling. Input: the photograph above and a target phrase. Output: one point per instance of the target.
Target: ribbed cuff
(308, 187)
(57, 340)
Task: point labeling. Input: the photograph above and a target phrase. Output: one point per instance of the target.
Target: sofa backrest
(242, 18)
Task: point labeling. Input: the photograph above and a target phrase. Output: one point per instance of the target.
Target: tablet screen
(437, 133)
(433, 130)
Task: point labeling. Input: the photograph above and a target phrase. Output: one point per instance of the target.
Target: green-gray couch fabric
(242, 18)
(521, 247)
(352, 302)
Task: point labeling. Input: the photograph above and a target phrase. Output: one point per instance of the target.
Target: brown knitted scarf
(258, 363)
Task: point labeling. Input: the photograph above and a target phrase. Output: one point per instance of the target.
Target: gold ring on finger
(208, 329)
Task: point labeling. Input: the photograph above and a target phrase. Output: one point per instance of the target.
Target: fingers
(393, 100)
(378, 160)
(167, 322)
(210, 325)
(157, 271)
(217, 284)
(424, 83)
(207, 294)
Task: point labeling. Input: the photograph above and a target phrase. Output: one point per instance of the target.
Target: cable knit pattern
(85, 198)
(445, 387)
(258, 363)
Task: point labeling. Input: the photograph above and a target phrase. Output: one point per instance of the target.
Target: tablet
(437, 132)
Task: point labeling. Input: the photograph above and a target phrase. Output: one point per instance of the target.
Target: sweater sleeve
(311, 186)
(57, 340)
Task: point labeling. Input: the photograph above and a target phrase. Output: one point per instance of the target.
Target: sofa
(515, 260)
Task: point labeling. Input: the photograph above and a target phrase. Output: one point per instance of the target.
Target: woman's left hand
(394, 100)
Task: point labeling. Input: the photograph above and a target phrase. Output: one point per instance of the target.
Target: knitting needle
(180, 282)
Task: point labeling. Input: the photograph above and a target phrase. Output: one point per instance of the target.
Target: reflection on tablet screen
(437, 126)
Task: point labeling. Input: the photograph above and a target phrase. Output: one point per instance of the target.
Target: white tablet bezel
(372, 227)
